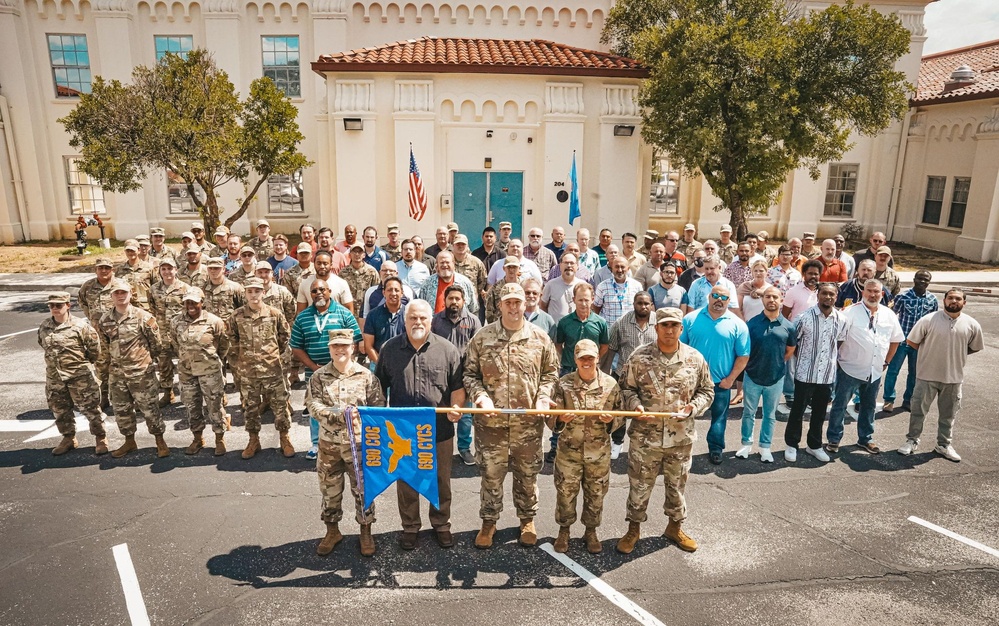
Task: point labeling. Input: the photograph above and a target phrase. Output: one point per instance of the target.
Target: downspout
(15, 168)
(896, 184)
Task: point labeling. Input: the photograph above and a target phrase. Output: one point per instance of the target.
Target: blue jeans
(788, 383)
(846, 385)
(751, 394)
(903, 353)
(719, 414)
(464, 428)
(313, 423)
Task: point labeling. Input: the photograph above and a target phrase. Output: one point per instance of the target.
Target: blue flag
(574, 211)
(399, 444)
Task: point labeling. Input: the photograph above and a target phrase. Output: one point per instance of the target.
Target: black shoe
(906, 408)
(466, 457)
(715, 458)
(550, 456)
(407, 541)
(305, 412)
(444, 538)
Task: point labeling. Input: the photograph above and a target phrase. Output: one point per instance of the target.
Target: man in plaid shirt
(909, 306)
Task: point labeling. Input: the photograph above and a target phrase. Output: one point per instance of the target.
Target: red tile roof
(499, 56)
(935, 71)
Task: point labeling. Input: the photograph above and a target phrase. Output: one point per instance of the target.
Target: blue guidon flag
(399, 444)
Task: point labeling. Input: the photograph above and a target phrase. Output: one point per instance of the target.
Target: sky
(957, 23)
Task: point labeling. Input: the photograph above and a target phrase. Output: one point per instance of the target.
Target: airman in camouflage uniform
(137, 273)
(670, 382)
(222, 296)
(157, 236)
(95, 300)
(200, 339)
(510, 364)
(333, 387)
(167, 300)
(471, 268)
(291, 281)
(584, 444)
(248, 264)
(274, 294)
(219, 249)
(359, 276)
(511, 274)
(258, 337)
(71, 348)
(194, 272)
(263, 243)
(133, 339)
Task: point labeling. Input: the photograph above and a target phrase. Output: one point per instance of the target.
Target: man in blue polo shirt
(701, 288)
(723, 339)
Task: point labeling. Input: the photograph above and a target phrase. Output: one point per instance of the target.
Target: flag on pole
(574, 211)
(399, 444)
(417, 196)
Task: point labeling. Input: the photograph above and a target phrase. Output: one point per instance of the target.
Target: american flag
(417, 196)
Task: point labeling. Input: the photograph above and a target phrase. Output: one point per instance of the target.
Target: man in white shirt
(339, 289)
(411, 272)
(556, 298)
(514, 248)
(588, 257)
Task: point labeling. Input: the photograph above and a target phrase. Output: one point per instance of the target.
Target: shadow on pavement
(455, 568)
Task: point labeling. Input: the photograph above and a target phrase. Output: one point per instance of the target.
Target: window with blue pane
(176, 44)
(281, 56)
(70, 65)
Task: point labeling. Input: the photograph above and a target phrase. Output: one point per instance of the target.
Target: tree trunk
(246, 204)
(738, 219)
(210, 213)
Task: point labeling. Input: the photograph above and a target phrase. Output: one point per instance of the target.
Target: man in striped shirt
(910, 306)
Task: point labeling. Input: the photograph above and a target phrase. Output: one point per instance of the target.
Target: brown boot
(287, 449)
(367, 541)
(682, 540)
(327, 543)
(528, 535)
(592, 542)
(167, 399)
(101, 447)
(67, 444)
(627, 543)
(126, 447)
(228, 422)
(162, 451)
(219, 444)
(196, 445)
(484, 540)
(252, 447)
(562, 541)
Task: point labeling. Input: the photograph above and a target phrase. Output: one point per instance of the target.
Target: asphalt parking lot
(224, 541)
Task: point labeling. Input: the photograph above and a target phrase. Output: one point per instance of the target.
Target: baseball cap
(157, 231)
(883, 250)
(131, 244)
(510, 291)
(247, 249)
(168, 260)
(726, 228)
(460, 239)
(190, 249)
(262, 265)
(341, 336)
(452, 226)
(393, 228)
(511, 260)
(262, 223)
(193, 294)
(357, 246)
(215, 261)
(586, 347)
(669, 314)
(58, 297)
(305, 246)
(142, 239)
(103, 261)
(763, 235)
(505, 225)
(221, 230)
(188, 234)
(652, 234)
(197, 226)
(253, 283)
(119, 284)
(807, 235)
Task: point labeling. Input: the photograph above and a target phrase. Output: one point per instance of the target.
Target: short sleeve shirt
(720, 340)
(944, 344)
(768, 341)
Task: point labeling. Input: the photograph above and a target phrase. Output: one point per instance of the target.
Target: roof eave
(321, 68)
(967, 97)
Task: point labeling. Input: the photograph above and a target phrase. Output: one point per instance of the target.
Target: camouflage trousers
(645, 464)
(258, 394)
(103, 367)
(204, 397)
(589, 467)
(83, 393)
(515, 448)
(165, 366)
(334, 460)
(139, 394)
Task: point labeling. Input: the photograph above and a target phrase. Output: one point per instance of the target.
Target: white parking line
(130, 584)
(24, 426)
(618, 599)
(20, 332)
(953, 535)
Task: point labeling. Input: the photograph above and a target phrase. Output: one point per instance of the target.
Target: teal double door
(487, 198)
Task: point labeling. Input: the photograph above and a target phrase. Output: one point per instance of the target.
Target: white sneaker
(908, 447)
(766, 456)
(818, 453)
(784, 409)
(616, 450)
(852, 411)
(948, 453)
(791, 454)
(744, 451)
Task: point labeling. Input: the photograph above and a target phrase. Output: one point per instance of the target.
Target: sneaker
(948, 453)
(791, 454)
(766, 456)
(305, 412)
(870, 447)
(906, 407)
(312, 453)
(784, 409)
(616, 450)
(818, 453)
(889, 406)
(853, 410)
(715, 458)
(908, 447)
(831, 448)
(467, 457)
(744, 451)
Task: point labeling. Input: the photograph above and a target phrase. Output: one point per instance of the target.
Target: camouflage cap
(221, 231)
(393, 228)
(197, 226)
(511, 261)
(726, 228)
(503, 225)
(669, 314)
(142, 239)
(246, 248)
(187, 235)
(883, 250)
(103, 261)
(168, 260)
(808, 235)
(357, 246)
(763, 235)
(452, 226)
(460, 239)
(120, 284)
(253, 283)
(687, 227)
(190, 249)
(586, 347)
(341, 336)
(215, 261)
(157, 231)
(510, 291)
(58, 297)
(262, 265)
(193, 294)
(305, 246)
(263, 223)
(652, 234)
(132, 244)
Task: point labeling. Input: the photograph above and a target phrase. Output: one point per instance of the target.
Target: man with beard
(833, 270)
(385, 320)
(433, 289)
(339, 289)
(411, 272)
(557, 244)
(648, 274)
(911, 306)
(629, 333)
(421, 256)
(666, 293)
(556, 298)
(740, 270)
(542, 256)
(308, 234)
(375, 296)
(233, 245)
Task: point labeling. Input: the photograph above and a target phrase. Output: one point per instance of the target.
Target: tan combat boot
(126, 447)
(67, 444)
(287, 449)
(528, 535)
(627, 543)
(219, 444)
(327, 543)
(162, 450)
(252, 447)
(167, 399)
(592, 542)
(682, 540)
(367, 541)
(562, 541)
(101, 447)
(196, 445)
(484, 539)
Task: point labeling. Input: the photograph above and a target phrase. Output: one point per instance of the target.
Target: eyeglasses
(719, 296)
(532, 293)
(247, 254)
(673, 240)
(535, 236)
(320, 290)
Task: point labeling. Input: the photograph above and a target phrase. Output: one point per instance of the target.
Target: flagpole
(580, 412)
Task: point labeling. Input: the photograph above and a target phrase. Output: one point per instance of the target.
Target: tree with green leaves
(746, 91)
(184, 115)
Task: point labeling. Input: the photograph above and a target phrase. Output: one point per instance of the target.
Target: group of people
(670, 329)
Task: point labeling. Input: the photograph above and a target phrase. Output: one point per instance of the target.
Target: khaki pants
(948, 396)
(409, 500)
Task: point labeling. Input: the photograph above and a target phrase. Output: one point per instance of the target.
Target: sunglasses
(718, 296)
(320, 290)
(673, 240)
